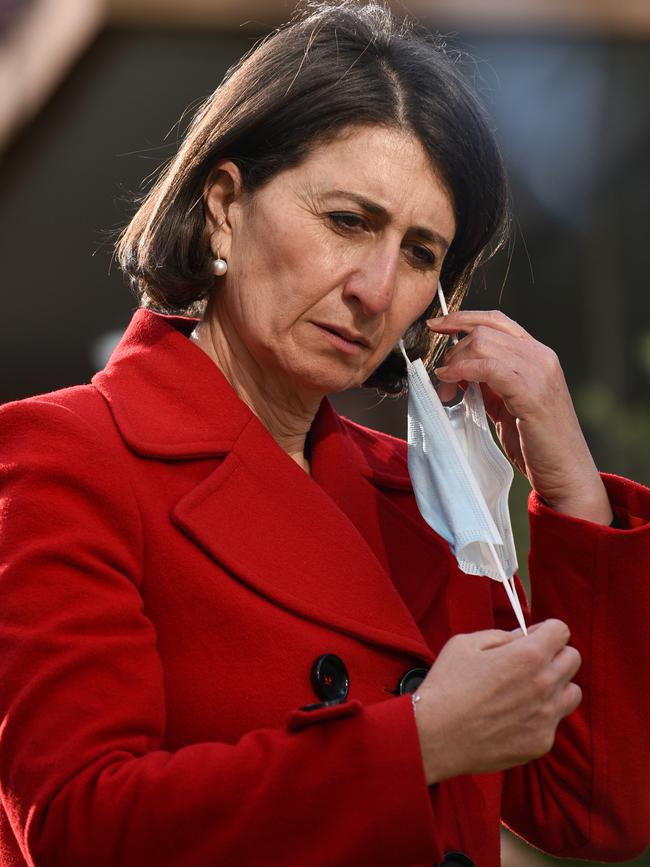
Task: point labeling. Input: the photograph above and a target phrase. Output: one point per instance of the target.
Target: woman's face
(331, 261)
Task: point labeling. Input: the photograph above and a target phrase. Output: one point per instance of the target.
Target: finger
(484, 342)
(488, 639)
(517, 633)
(502, 378)
(570, 699)
(566, 663)
(447, 391)
(466, 320)
(552, 634)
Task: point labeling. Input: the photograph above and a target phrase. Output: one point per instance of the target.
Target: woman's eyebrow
(381, 213)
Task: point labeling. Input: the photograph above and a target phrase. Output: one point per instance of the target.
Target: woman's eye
(423, 256)
(347, 221)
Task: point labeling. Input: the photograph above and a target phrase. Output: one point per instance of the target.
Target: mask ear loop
(445, 309)
(508, 583)
(511, 590)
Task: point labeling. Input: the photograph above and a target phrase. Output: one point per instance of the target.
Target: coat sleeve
(83, 777)
(590, 796)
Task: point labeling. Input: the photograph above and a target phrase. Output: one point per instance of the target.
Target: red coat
(167, 578)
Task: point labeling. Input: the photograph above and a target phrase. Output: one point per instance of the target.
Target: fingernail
(438, 370)
(435, 319)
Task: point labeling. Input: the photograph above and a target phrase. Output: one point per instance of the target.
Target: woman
(218, 595)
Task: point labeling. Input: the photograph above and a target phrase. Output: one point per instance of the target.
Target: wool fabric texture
(168, 575)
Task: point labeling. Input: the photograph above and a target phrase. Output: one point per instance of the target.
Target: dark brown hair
(334, 66)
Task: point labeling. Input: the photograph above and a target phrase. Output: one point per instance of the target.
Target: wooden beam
(622, 17)
(37, 51)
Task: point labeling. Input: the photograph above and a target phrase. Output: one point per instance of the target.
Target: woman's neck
(286, 416)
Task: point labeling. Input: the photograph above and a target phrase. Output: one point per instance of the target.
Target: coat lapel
(367, 475)
(272, 526)
(331, 548)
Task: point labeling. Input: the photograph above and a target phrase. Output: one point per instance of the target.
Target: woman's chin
(329, 382)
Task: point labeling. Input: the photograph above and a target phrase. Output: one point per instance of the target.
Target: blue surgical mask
(461, 479)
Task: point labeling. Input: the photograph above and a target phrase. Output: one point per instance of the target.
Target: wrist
(582, 495)
(436, 751)
(589, 505)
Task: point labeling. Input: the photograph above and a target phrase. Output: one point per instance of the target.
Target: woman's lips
(349, 341)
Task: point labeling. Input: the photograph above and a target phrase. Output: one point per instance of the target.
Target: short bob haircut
(334, 66)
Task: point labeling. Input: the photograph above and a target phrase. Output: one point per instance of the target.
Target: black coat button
(456, 859)
(330, 678)
(411, 679)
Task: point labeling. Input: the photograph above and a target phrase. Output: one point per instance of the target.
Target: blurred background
(94, 95)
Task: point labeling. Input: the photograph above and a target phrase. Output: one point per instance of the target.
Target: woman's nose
(374, 281)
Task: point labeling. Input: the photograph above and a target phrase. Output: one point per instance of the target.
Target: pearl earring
(219, 265)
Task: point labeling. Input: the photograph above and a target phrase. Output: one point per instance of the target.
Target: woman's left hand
(527, 398)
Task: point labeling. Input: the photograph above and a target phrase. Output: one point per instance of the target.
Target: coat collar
(333, 547)
(169, 399)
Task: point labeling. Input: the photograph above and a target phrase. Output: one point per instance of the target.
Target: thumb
(450, 391)
(446, 391)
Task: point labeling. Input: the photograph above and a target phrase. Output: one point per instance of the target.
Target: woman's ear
(222, 188)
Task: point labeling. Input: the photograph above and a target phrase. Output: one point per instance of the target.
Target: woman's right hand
(493, 699)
